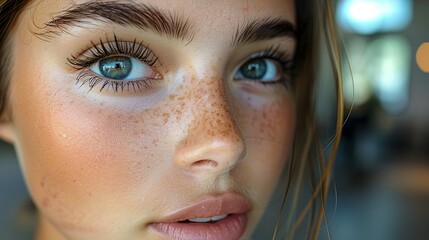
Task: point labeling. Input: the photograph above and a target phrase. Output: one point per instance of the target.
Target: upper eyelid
(273, 52)
(106, 48)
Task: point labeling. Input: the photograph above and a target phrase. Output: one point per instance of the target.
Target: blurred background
(382, 171)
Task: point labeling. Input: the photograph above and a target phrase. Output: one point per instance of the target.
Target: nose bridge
(213, 112)
(213, 142)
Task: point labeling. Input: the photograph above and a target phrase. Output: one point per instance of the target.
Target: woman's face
(132, 117)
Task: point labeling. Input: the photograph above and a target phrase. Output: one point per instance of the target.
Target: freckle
(264, 114)
(42, 184)
(172, 97)
(45, 202)
(165, 117)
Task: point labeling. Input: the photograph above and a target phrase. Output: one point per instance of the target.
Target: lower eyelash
(117, 86)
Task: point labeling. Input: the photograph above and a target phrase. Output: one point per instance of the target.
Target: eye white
(138, 70)
(272, 72)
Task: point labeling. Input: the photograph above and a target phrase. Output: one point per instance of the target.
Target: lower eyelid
(91, 81)
(128, 86)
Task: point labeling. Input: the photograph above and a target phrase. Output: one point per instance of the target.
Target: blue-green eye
(265, 70)
(117, 67)
(254, 69)
(122, 68)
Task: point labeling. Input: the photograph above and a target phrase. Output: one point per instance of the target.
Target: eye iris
(115, 67)
(254, 69)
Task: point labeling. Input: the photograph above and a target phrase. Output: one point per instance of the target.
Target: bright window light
(381, 68)
(371, 16)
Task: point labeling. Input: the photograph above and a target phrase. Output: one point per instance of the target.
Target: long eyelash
(273, 52)
(285, 60)
(108, 48)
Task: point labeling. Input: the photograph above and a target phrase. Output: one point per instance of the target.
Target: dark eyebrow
(140, 15)
(263, 29)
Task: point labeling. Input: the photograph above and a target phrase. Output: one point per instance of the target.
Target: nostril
(205, 163)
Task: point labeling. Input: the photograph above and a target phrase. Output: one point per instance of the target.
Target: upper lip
(209, 206)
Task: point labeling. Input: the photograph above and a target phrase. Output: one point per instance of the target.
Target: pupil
(254, 69)
(115, 67)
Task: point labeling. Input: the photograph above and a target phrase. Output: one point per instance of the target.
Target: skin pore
(104, 159)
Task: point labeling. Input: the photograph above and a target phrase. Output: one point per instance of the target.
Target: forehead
(201, 13)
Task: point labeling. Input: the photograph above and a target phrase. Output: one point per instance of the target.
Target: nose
(213, 144)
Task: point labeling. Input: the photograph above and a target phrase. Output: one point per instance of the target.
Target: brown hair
(9, 11)
(314, 17)
(307, 154)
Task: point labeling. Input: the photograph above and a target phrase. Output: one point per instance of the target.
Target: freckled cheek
(76, 154)
(268, 129)
(272, 119)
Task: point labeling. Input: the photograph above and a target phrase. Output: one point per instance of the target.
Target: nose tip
(209, 156)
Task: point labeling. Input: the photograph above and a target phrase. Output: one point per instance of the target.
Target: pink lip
(229, 228)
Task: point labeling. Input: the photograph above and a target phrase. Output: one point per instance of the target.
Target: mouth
(222, 217)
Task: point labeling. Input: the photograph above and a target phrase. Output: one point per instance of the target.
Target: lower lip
(229, 228)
